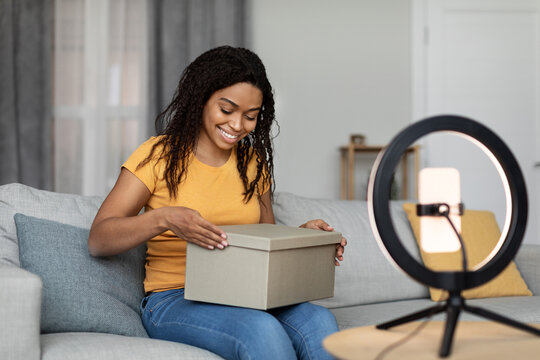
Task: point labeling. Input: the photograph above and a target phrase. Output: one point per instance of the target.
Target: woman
(211, 165)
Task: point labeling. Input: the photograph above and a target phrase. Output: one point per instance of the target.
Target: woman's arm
(118, 227)
(267, 214)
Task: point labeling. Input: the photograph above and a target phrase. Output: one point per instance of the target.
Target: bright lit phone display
(439, 185)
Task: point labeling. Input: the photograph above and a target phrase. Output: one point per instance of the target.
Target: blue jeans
(288, 332)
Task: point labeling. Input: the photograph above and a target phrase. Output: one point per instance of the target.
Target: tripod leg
(501, 319)
(412, 317)
(448, 337)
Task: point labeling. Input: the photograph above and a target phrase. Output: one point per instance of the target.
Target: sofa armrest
(20, 309)
(528, 263)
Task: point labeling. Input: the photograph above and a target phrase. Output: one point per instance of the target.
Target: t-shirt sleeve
(147, 173)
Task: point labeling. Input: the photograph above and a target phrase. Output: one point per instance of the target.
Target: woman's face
(228, 116)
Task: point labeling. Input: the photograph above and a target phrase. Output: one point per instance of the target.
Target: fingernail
(220, 246)
(224, 243)
(210, 247)
(224, 236)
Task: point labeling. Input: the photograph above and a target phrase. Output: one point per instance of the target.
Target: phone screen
(439, 185)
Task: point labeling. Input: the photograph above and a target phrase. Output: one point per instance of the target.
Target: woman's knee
(307, 325)
(308, 315)
(260, 337)
(267, 329)
(322, 316)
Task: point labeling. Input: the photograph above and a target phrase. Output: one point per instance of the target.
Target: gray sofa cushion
(93, 346)
(528, 265)
(525, 309)
(365, 276)
(70, 209)
(81, 292)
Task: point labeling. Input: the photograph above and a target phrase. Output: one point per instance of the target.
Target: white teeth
(227, 135)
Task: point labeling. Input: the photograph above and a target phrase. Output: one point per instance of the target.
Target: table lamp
(454, 282)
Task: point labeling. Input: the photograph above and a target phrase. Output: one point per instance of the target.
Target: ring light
(454, 281)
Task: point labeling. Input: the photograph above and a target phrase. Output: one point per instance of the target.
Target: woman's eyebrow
(236, 105)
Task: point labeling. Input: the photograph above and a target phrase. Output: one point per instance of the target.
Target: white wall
(337, 67)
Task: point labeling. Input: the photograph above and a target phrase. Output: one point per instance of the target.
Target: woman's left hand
(322, 225)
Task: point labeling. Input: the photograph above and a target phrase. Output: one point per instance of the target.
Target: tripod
(453, 307)
(455, 303)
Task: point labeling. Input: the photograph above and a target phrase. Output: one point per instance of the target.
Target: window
(100, 98)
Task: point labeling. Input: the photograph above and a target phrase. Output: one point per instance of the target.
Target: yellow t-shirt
(215, 192)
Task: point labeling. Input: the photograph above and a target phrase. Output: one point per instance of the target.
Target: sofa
(80, 307)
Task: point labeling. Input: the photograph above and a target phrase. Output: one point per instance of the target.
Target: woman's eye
(227, 112)
(251, 118)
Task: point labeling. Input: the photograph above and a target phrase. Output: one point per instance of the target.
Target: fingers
(340, 249)
(317, 225)
(216, 233)
(207, 235)
(205, 238)
(339, 254)
(189, 225)
(204, 231)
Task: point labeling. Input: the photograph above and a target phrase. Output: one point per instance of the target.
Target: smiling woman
(212, 165)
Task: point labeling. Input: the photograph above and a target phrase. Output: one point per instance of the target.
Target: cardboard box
(265, 266)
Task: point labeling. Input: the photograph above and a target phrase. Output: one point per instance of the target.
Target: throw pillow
(81, 293)
(480, 234)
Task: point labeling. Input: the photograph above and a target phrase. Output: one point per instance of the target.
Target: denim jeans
(288, 332)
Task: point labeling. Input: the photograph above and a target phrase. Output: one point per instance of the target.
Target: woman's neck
(212, 157)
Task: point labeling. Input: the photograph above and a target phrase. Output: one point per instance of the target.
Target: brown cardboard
(264, 266)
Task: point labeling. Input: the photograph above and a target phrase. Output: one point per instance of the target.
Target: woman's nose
(235, 122)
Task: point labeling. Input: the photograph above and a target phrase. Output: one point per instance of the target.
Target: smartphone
(439, 185)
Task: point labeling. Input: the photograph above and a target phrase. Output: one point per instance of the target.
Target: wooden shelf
(348, 153)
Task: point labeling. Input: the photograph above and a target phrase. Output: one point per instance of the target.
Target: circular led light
(516, 200)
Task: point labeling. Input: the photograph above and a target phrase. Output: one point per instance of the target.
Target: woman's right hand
(188, 224)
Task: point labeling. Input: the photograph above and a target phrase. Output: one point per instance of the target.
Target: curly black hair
(181, 121)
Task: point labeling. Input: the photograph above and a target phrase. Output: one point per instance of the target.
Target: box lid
(272, 237)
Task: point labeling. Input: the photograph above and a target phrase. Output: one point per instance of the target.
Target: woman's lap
(239, 333)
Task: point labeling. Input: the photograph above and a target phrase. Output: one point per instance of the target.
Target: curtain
(25, 92)
(180, 30)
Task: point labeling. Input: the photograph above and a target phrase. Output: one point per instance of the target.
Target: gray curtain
(180, 30)
(25, 92)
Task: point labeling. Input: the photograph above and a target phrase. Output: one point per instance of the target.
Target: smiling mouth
(227, 135)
